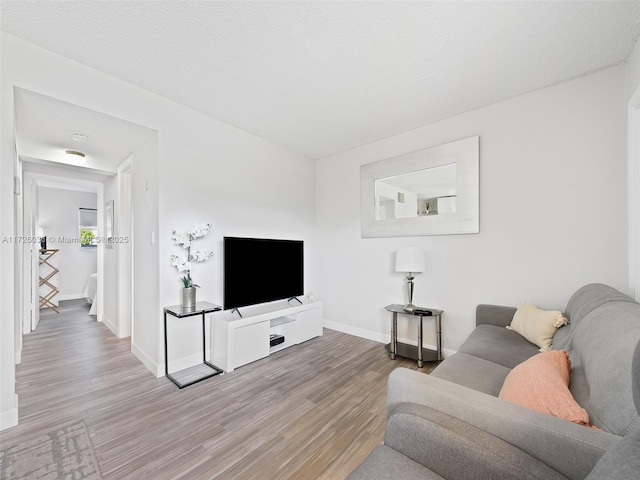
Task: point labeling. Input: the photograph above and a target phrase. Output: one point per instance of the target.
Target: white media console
(237, 340)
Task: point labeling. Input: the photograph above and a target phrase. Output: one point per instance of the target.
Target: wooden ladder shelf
(46, 300)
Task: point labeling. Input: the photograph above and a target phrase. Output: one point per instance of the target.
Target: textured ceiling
(321, 77)
(45, 128)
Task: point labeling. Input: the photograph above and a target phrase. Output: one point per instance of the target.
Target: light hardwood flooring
(311, 411)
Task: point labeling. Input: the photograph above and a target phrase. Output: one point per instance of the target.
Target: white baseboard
(358, 332)
(9, 418)
(110, 325)
(156, 369)
(377, 336)
(69, 296)
(175, 364)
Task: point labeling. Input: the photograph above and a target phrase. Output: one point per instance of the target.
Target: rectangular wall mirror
(434, 191)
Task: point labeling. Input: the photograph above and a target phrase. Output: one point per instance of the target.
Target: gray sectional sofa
(451, 424)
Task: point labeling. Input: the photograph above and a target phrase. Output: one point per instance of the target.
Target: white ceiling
(45, 128)
(431, 182)
(321, 77)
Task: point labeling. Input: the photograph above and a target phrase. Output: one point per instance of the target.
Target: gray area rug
(63, 453)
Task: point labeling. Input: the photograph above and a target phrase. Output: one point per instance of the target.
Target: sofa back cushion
(582, 302)
(601, 351)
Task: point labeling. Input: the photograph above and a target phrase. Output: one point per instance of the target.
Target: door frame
(633, 194)
(125, 249)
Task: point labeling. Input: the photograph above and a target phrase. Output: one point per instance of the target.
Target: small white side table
(202, 308)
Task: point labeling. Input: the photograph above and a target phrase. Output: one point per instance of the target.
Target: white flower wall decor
(183, 262)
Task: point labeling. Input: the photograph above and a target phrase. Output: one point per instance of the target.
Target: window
(88, 227)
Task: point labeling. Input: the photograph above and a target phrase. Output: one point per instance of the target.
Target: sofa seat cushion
(384, 462)
(498, 345)
(473, 372)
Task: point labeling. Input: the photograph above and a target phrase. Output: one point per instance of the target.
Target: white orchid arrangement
(183, 262)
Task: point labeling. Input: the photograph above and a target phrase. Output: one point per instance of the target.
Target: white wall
(58, 210)
(195, 169)
(10, 331)
(633, 97)
(243, 186)
(146, 334)
(552, 213)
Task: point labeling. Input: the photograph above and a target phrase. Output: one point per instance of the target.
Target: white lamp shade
(410, 259)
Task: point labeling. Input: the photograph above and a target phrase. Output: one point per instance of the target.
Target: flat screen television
(260, 270)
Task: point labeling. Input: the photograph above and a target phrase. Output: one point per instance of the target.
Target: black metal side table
(411, 351)
(202, 308)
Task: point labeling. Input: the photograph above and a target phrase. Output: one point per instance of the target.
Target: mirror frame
(464, 153)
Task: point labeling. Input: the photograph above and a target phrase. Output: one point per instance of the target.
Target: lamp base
(409, 308)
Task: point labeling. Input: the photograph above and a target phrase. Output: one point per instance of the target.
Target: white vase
(189, 299)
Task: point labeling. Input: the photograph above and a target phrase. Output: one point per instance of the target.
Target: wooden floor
(311, 411)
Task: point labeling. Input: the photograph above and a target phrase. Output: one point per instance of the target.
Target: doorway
(46, 128)
(58, 221)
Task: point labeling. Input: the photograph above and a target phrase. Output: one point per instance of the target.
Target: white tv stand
(237, 341)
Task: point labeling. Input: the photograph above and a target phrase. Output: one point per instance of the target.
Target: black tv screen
(260, 270)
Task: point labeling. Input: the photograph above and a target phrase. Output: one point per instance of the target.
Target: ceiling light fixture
(74, 157)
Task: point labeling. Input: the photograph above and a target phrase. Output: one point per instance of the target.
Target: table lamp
(410, 260)
(43, 238)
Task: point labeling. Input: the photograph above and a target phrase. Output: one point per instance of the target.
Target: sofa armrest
(457, 450)
(494, 315)
(566, 447)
